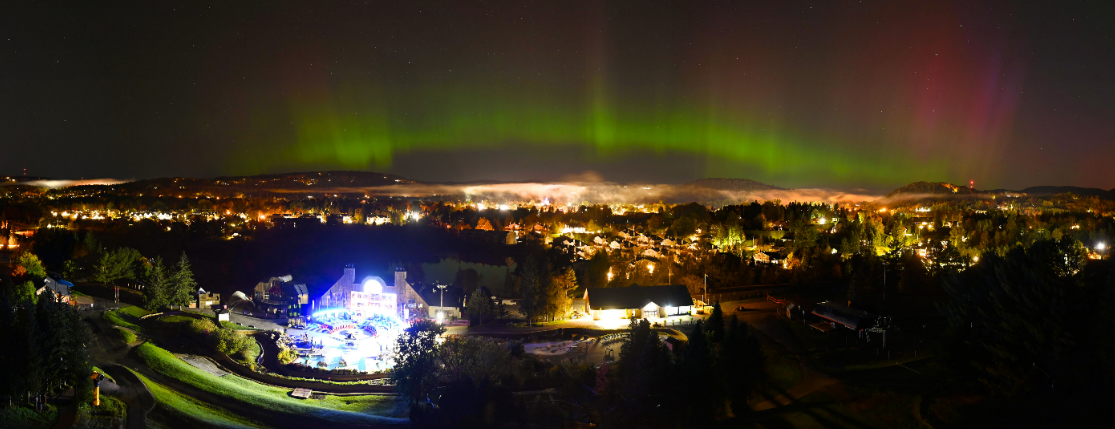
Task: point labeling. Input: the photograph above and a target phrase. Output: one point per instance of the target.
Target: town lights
(650, 268)
(609, 274)
(1100, 246)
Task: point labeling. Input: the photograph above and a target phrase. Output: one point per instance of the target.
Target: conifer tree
(182, 283)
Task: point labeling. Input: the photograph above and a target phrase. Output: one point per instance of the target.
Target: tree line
(44, 340)
(468, 381)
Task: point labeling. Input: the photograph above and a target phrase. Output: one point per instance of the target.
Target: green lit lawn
(236, 326)
(198, 413)
(120, 319)
(348, 409)
(127, 317)
(176, 319)
(24, 417)
(134, 311)
(107, 377)
(127, 336)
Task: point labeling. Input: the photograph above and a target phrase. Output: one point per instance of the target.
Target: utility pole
(706, 289)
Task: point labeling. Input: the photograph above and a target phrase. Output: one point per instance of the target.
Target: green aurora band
(360, 131)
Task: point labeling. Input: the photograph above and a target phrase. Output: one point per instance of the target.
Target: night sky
(803, 94)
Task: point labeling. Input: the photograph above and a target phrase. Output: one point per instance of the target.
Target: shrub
(516, 348)
(230, 342)
(287, 355)
(111, 414)
(203, 327)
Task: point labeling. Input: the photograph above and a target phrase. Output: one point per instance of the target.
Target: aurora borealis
(801, 94)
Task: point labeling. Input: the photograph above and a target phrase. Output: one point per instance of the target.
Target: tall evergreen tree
(159, 285)
(480, 304)
(715, 324)
(8, 355)
(703, 389)
(535, 280)
(740, 363)
(183, 285)
(644, 377)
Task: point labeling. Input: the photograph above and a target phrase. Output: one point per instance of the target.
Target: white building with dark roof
(638, 301)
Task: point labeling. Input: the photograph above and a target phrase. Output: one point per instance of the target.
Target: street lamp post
(706, 289)
(441, 306)
(884, 281)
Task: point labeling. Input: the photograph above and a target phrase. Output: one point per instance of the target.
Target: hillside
(931, 188)
(1053, 190)
(226, 186)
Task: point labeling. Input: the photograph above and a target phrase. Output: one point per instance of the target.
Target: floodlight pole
(442, 305)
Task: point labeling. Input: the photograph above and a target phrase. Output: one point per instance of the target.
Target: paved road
(264, 324)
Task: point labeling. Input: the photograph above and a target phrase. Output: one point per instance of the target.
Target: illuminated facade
(372, 296)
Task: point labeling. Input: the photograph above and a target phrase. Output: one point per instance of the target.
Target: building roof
(295, 289)
(638, 297)
(844, 315)
(60, 287)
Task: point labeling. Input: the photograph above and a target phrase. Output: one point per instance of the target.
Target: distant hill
(931, 188)
(263, 183)
(5, 180)
(1053, 190)
(733, 185)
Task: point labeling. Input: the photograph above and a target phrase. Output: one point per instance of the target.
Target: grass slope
(125, 335)
(126, 316)
(116, 318)
(134, 311)
(346, 409)
(236, 326)
(25, 417)
(107, 377)
(195, 412)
